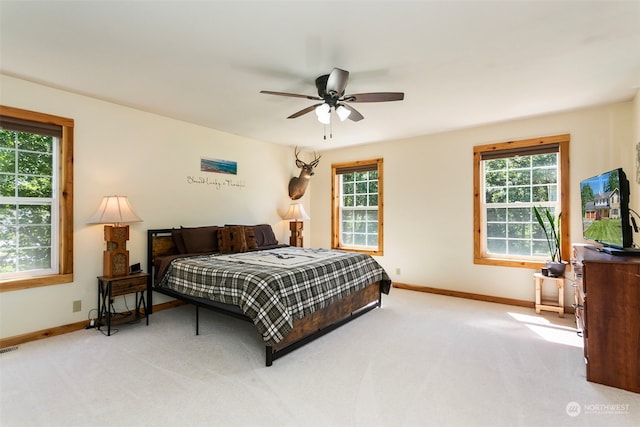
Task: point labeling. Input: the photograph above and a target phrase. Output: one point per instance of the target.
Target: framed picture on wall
(218, 166)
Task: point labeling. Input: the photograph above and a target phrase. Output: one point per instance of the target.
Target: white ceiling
(460, 64)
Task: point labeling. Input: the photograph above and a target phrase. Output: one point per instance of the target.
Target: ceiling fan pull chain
(331, 129)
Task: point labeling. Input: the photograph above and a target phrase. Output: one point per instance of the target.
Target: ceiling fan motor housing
(321, 85)
(330, 97)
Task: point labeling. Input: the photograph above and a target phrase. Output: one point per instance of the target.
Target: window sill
(364, 251)
(35, 282)
(503, 262)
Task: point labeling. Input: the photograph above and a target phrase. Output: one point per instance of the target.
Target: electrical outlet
(397, 271)
(77, 306)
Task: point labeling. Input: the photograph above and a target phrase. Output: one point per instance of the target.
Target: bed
(292, 295)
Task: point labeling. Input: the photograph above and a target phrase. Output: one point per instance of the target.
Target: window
(36, 199)
(511, 178)
(356, 219)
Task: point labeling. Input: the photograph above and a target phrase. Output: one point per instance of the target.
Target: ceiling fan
(331, 92)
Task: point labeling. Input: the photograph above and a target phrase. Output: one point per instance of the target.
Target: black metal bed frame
(235, 311)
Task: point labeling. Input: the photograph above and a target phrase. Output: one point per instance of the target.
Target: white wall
(428, 192)
(124, 151)
(428, 196)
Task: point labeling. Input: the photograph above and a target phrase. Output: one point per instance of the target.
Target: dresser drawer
(128, 285)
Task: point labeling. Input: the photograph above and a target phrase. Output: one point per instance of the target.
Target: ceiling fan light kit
(323, 111)
(342, 112)
(331, 89)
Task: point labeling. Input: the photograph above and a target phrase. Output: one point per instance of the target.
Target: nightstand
(110, 287)
(557, 305)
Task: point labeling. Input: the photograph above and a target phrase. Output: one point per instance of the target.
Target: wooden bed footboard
(327, 319)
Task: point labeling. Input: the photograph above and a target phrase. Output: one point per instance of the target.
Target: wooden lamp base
(116, 257)
(296, 234)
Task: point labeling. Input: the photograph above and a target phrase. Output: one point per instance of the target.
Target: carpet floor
(420, 360)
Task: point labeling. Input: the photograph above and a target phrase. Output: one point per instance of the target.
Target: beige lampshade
(296, 212)
(114, 210)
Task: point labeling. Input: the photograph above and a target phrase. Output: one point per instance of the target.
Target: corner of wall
(635, 151)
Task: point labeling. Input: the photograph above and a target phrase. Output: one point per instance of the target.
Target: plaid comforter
(274, 287)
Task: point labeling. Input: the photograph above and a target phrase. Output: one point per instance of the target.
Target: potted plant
(551, 229)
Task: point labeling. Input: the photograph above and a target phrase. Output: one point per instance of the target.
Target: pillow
(231, 238)
(250, 238)
(176, 234)
(264, 235)
(200, 239)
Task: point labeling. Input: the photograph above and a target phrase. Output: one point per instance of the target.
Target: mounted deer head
(298, 185)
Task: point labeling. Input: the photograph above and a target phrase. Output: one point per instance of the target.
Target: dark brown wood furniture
(111, 287)
(607, 291)
(305, 330)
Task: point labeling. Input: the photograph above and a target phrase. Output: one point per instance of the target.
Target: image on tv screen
(601, 209)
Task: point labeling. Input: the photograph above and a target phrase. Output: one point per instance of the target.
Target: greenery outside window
(36, 199)
(511, 178)
(357, 214)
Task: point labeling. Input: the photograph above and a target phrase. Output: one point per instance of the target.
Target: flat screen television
(605, 210)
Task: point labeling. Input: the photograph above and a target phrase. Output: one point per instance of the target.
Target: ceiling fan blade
(294, 95)
(337, 82)
(355, 114)
(304, 111)
(375, 97)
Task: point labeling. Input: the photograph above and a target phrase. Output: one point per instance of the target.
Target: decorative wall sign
(218, 166)
(217, 183)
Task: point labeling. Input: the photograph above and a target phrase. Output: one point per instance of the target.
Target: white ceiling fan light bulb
(323, 110)
(343, 112)
(325, 119)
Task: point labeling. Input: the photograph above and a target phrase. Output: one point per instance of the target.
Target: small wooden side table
(110, 287)
(549, 305)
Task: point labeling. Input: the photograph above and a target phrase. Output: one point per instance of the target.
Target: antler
(316, 159)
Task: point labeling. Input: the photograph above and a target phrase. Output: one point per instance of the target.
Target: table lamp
(296, 213)
(114, 211)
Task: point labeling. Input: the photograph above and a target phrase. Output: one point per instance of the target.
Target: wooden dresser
(607, 292)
